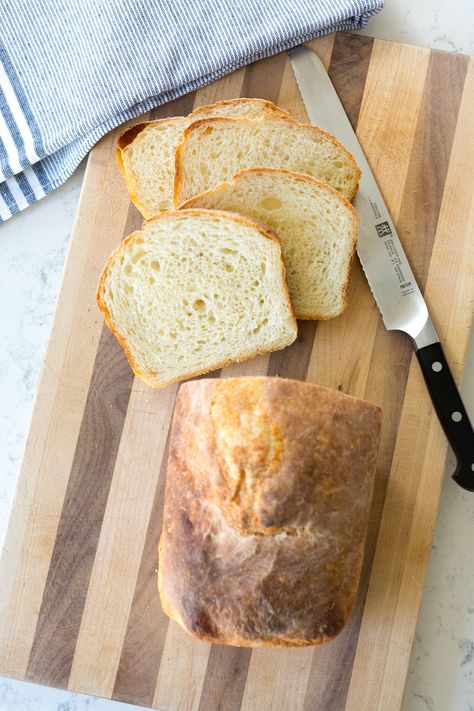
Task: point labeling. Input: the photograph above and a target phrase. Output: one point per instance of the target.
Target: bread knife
(386, 266)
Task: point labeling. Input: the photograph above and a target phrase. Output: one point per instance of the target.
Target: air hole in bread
(199, 305)
(270, 203)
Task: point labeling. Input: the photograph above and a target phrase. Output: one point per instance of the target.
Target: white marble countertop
(32, 251)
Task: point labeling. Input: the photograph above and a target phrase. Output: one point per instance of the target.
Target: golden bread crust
(268, 493)
(267, 107)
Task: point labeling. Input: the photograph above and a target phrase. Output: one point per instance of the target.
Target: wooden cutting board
(78, 601)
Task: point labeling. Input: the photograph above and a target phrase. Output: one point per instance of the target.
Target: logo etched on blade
(383, 229)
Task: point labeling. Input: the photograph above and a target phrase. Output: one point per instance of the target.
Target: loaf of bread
(196, 290)
(316, 226)
(268, 492)
(215, 149)
(146, 151)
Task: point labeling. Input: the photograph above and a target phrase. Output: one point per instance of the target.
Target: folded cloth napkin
(71, 70)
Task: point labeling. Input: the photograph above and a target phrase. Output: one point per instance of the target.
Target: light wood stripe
(416, 226)
(449, 288)
(277, 679)
(388, 627)
(449, 295)
(256, 366)
(393, 93)
(324, 47)
(228, 87)
(426, 177)
(120, 547)
(263, 79)
(182, 671)
(61, 398)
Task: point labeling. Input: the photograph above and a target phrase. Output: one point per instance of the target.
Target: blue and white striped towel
(71, 70)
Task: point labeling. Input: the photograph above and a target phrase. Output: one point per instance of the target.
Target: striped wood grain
(78, 601)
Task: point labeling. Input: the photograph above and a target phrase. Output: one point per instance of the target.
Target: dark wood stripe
(179, 107)
(332, 665)
(81, 518)
(134, 221)
(293, 362)
(392, 352)
(348, 69)
(147, 624)
(225, 679)
(263, 79)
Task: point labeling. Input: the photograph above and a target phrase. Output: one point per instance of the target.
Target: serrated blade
(380, 251)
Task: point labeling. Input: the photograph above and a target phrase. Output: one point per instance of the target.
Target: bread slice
(214, 149)
(316, 226)
(195, 290)
(145, 152)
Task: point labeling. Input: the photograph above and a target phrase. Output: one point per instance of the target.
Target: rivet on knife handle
(450, 410)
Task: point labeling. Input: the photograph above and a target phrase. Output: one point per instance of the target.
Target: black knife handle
(450, 410)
